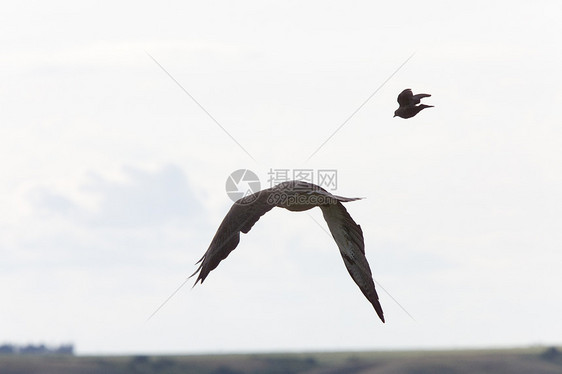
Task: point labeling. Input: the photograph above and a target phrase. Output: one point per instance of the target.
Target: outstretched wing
(240, 218)
(405, 98)
(349, 238)
(416, 98)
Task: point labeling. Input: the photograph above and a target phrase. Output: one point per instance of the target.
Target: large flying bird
(295, 196)
(407, 104)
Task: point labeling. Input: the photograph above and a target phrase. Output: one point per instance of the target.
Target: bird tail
(347, 199)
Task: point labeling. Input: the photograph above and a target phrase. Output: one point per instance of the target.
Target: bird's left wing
(349, 238)
(405, 97)
(240, 218)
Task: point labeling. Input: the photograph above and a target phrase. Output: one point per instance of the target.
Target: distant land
(537, 360)
(36, 349)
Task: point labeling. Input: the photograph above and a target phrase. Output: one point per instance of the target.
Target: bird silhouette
(407, 104)
(295, 196)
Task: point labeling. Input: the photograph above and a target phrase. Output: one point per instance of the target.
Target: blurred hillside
(535, 360)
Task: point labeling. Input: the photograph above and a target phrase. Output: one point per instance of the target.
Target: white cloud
(141, 198)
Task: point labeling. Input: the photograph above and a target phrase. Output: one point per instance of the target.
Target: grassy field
(513, 361)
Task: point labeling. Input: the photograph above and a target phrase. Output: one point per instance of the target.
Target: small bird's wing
(240, 218)
(349, 238)
(416, 98)
(405, 98)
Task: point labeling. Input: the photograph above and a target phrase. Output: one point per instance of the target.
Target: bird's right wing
(406, 97)
(349, 238)
(416, 98)
(240, 218)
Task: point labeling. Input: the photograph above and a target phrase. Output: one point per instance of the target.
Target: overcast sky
(113, 178)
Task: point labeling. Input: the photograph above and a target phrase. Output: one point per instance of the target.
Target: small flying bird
(407, 101)
(295, 196)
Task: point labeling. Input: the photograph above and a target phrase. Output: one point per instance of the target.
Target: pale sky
(113, 179)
